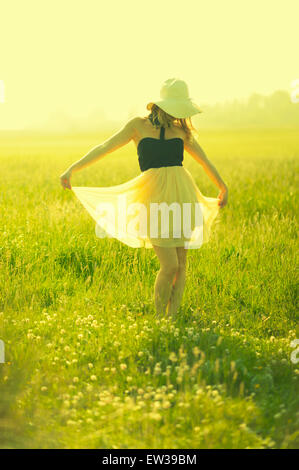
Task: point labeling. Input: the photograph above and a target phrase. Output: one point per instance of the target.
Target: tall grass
(88, 365)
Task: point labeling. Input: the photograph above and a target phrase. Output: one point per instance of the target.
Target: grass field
(88, 365)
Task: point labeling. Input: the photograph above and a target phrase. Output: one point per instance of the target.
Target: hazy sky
(75, 56)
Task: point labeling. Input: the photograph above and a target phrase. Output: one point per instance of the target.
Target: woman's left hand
(65, 179)
(223, 197)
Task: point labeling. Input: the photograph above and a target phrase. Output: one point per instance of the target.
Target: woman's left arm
(199, 155)
(117, 140)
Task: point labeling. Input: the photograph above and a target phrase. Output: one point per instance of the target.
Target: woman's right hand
(65, 179)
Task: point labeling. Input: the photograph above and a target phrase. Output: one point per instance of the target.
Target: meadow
(87, 364)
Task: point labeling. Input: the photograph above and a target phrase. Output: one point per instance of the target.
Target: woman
(164, 187)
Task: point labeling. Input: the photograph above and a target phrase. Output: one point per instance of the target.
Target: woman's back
(144, 128)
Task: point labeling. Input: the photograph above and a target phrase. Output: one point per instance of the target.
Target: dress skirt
(161, 206)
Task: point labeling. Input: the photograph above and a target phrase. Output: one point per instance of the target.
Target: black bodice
(156, 153)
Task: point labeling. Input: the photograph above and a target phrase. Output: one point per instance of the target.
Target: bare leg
(168, 267)
(179, 282)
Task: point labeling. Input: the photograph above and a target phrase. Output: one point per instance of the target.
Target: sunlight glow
(68, 60)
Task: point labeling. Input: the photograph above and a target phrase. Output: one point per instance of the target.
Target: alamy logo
(178, 220)
(2, 352)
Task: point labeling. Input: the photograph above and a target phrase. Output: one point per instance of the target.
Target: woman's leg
(168, 267)
(179, 282)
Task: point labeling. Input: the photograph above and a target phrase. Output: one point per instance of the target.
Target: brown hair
(158, 117)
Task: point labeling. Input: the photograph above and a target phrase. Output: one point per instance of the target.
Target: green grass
(88, 365)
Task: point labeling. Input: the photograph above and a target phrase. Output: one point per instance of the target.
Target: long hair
(159, 118)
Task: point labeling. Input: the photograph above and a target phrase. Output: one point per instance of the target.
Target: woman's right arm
(117, 140)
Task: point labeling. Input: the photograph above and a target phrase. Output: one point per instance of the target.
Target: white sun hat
(175, 100)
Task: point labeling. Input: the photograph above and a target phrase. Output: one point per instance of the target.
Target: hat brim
(179, 109)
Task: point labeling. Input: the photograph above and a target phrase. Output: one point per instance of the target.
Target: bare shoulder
(139, 127)
(192, 146)
(140, 121)
(180, 132)
(136, 124)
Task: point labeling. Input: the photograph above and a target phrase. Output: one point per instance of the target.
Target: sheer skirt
(161, 206)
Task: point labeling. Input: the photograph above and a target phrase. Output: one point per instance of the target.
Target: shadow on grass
(233, 365)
